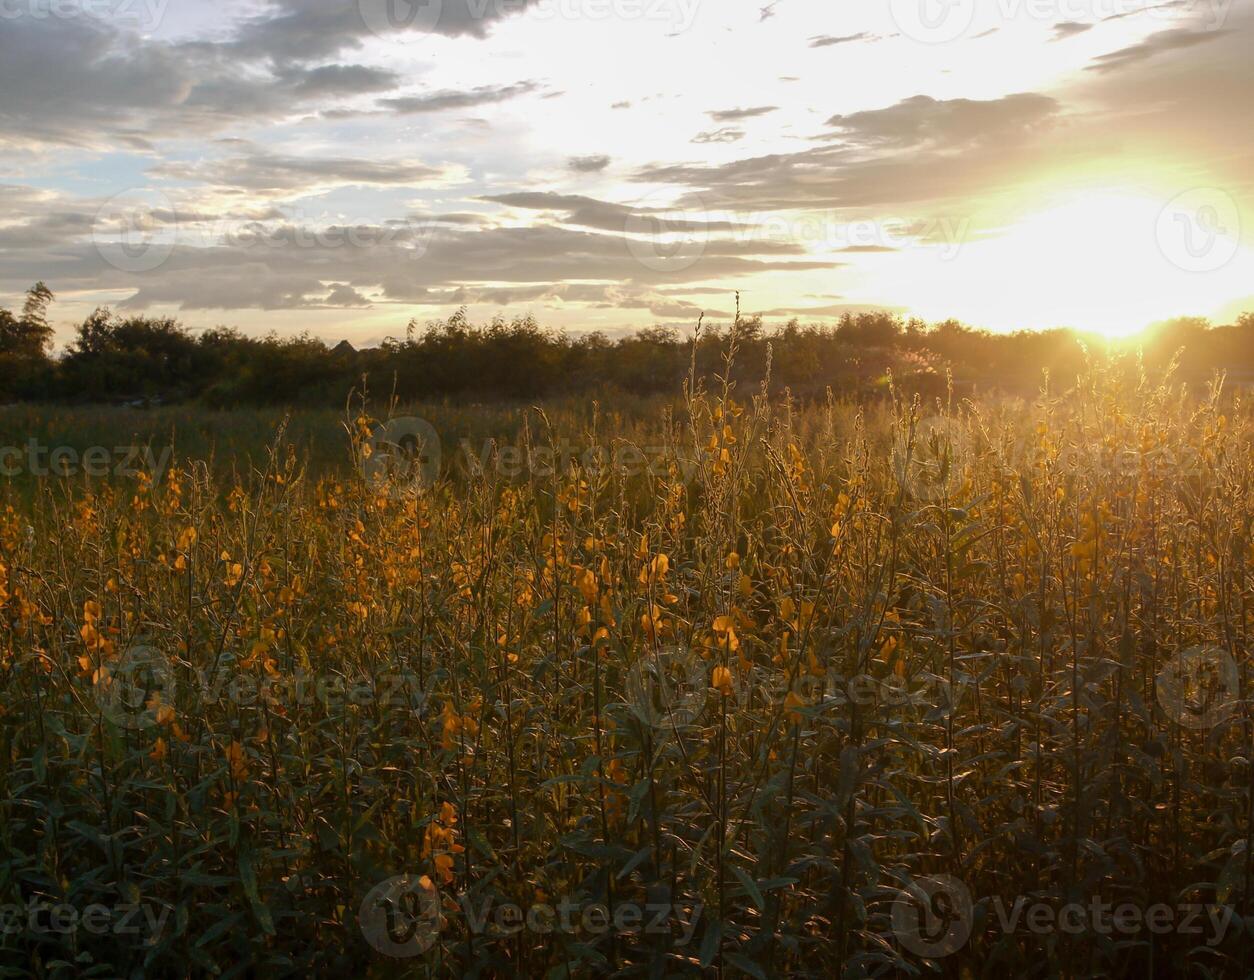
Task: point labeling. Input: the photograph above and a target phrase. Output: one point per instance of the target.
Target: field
(729, 686)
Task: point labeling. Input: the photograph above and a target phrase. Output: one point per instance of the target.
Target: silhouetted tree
(123, 358)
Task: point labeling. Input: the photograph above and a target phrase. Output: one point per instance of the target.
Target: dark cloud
(589, 164)
(1171, 4)
(346, 296)
(827, 40)
(216, 262)
(918, 151)
(453, 99)
(79, 82)
(735, 115)
(309, 30)
(261, 170)
(728, 134)
(1070, 28)
(63, 81)
(85, 82)
(460, 218)
(335, 81)
(923, 120)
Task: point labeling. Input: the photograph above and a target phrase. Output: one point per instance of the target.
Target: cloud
(923, 120)
(452, 99)
(65, 80)
(219, 261)
(85, 82)
(833, 310)
(591, 213)
(1070, 28)
(335, 80)
(917, 151)
(309, 30)
(734, 115)
(589, 164)
(263, 171)
(1158, 43)
(345, 295)
(1171, 4)
(827, 40)
(728, 134)
(80, 82)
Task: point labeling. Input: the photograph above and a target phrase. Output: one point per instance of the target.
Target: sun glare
(1101, 260)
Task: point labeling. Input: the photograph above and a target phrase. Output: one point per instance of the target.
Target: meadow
(724, 685)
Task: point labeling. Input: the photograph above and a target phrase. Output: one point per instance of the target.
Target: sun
(1105, 261)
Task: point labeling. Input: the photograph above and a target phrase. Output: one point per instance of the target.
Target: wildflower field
(742, 687)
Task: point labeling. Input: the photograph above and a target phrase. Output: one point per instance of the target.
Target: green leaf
(248, 878)
(751, 888)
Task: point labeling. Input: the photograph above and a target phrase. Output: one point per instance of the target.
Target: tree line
(117, 358)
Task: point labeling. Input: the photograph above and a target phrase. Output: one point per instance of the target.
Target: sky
(343, 167)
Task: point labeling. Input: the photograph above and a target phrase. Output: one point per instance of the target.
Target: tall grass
(782, 681)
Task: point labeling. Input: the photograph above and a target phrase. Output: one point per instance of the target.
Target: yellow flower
(791, 703)
(237, 761)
